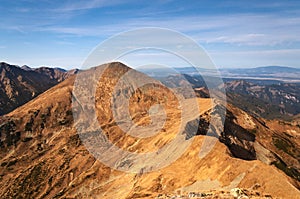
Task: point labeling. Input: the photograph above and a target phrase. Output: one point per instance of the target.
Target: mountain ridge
(18, 86)
(41, 154)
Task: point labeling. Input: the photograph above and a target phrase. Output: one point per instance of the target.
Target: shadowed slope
(19, 85)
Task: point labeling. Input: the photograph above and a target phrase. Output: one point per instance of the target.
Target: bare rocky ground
(218, 194)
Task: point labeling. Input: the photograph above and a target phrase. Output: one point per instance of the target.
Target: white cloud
(85, 5)
(253, 30)
(246, 39)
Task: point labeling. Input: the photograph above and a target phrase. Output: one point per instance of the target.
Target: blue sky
(234, 33)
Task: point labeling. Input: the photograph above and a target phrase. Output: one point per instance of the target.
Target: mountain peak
(25, 67)
(276, 69)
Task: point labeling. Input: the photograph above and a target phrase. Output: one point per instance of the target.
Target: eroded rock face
(239, 141)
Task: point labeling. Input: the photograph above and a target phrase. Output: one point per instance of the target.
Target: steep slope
(183, 81)
(41, 156)
(19, 85)
(268, 101)
(271, 101)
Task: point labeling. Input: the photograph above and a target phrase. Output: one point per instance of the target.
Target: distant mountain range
(263, 98)
(18, 85)
(281, 73)
(270, 92)
(265, 69)
(266, 73)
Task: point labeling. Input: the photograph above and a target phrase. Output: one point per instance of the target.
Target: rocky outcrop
(239, 140)
(8, 134)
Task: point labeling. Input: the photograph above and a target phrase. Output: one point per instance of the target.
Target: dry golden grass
(54, 163)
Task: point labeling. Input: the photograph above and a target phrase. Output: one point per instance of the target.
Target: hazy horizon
(219, 68)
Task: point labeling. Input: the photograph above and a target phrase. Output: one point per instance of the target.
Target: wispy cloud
(252, 30)
(85, 5)
(248, 39)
